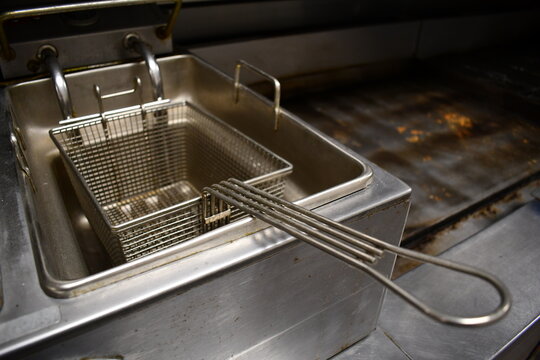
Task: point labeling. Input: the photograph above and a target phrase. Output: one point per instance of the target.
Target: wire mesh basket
(139, 174)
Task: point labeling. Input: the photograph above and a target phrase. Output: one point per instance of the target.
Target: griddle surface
(452, 148)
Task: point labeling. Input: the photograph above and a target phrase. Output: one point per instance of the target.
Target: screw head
(33, 65)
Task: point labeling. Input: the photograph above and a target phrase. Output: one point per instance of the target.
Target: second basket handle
(277, 86)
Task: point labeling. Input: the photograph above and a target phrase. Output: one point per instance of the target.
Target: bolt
(33, 65)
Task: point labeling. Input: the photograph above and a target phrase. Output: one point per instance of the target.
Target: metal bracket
(8, 53)
(215, 212)
(136, 89)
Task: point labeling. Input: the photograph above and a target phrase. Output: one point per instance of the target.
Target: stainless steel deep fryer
(138, 174)
(161, 173)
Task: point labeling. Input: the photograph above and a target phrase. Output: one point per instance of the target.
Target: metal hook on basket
(136, 89)
(353, 247)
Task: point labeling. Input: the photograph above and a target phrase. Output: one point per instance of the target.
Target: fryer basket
(139, 174)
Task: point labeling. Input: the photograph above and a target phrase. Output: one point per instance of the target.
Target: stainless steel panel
(378, 216)
(293, 55)
(271, 306)
(83, 50)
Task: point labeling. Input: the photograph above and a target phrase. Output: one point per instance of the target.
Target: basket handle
(345, 243)
(277, 86)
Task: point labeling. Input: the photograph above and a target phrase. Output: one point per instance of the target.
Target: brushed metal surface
(378, 345)
(85, 52)
(294, 303)
(61, 33)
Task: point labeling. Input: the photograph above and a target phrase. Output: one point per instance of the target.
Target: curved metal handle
(293, 219)
(134, 42)
(9, 54)
(277, 87)
(49, 55)
(499, 312)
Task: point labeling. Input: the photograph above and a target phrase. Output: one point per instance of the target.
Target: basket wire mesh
(138, 174)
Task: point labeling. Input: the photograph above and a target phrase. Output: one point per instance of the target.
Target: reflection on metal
(456, 232)
(453, 149)
(536, 194)
(1, 292)
(21, 160)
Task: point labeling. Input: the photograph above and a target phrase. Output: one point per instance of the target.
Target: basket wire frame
(138, 174)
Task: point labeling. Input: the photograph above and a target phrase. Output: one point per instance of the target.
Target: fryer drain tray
(138, 174)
